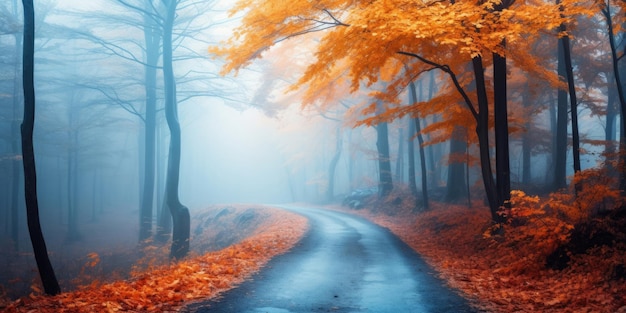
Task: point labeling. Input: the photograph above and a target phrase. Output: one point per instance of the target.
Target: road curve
(344, 263)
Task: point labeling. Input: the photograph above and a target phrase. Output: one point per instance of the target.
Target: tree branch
(446, 69)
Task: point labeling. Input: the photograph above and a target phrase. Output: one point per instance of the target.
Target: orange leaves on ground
(166, 287)
(508, 273)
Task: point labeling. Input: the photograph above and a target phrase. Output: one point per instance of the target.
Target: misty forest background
(101, 137)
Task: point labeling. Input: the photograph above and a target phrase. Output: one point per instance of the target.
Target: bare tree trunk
(385, 184)
(560, 153)
(620, 91)
(455, 186)
(180, 213)
(330, 191)
(482, 131)
(411, 148)
(164, 222)
(503, 171)
(152, 39)
(400, 156)
(46, 272)
(420, 141)
(573, 102)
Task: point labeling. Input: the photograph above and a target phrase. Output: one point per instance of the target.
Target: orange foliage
(167, 287)
(363, 39)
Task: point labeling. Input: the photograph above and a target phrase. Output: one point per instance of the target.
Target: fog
(233, 156)
(244, 140)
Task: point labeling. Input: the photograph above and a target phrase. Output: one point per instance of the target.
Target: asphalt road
(343, 264)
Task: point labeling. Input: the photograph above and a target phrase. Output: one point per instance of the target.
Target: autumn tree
(46, 272)
(435, 35)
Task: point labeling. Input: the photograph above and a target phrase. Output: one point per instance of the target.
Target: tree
(606, 12)
(437, 35)
(413, 98)
(152, 39)
(180, 213)
(567, 60)
(501, 125)
(46, 272)
(560, 152)
(385, 180)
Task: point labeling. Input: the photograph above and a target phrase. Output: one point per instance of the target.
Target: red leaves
(508, 274)
(166, 287)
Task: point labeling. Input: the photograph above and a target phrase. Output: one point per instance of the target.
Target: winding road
(344, 263)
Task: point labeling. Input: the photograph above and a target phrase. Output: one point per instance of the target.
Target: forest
(146, 146)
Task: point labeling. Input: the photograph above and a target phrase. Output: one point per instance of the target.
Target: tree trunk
(456, 182)
(333, 165)
(560, 153)
(620, 92)
(152, 39)
(385, 184)
(526, 146)
(46, 272)
(526, 153)
(400, 157)
(411, 148)
(572, 100)
(164, 222)
(503, 172)
(610, 129)
(433, 168)
(420, 140)
(482, 131)
(180, 213)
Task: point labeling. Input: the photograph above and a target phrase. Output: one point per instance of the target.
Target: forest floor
(509, 272)
(505, 272)
(228, 245)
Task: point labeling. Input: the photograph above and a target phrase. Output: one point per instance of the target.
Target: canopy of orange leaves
(167, 287)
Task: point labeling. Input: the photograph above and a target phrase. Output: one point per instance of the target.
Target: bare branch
(446, 69)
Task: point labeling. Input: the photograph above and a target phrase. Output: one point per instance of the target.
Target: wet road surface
(343, 264)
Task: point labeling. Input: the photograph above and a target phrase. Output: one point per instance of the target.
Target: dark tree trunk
(482, 125)
(420, 141)
(560, 153)
(433, 168)
(503, 172)
(611, 116)
(46, 272)
(400, 158)
(411, 148)
(620, 92)
(526, 146)
(572, 100)
(385, 184)
(333, 165)
(180, 213)
(482, 131)
(456, 182)
(152, 38)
